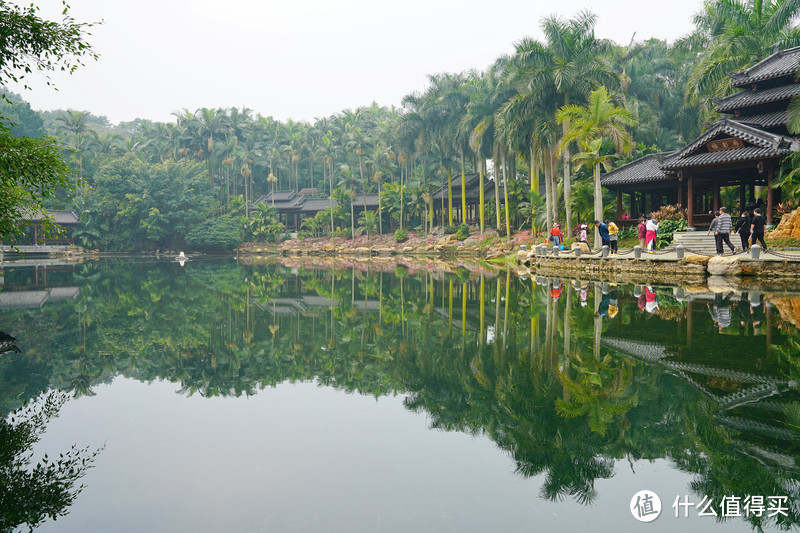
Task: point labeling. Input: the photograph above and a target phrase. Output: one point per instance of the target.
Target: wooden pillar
(619, 203)
(689, 324)
(770, 193)
(690, 201)
(742, 197)
(716, 195)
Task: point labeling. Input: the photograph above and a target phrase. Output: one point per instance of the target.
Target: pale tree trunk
(567, 178)
(598, 205)
(505, 198)
(497, 192)
(482, 200)
(463, 191)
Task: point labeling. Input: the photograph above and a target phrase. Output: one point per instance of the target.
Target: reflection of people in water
(556, 287)
(651, 300)
(584, 295)
(602, 309)
(720, 312)
(751, 311)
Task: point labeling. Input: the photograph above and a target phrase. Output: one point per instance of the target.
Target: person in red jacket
(556, 236)
(641, 232)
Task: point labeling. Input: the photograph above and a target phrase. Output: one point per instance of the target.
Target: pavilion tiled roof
(281, 203)
(471, 185)
(315, 205)
(371, 200)
(647, 169)
(752, 98)
(59, 217)
(765, 120)
(778, 65)
(727, 156)
(762, 144)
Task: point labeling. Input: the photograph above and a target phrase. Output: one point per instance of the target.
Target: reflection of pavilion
(34, 299)
(746, 411)
(758, 387)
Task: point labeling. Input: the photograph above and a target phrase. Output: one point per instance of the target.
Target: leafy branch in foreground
(30, 494)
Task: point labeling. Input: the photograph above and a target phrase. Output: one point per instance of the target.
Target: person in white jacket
(650, 236)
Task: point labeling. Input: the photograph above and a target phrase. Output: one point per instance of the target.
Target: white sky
(303, 59)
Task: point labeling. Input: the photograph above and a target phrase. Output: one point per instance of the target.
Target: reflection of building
(743, 149)
(751, 404)
(34, 299)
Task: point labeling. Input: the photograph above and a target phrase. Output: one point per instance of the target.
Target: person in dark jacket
(757, 225)
(743, 229)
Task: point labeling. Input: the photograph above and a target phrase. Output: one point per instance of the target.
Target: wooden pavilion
(743, 149)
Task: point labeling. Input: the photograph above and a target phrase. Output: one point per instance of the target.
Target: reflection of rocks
(789, 309)
(721, 284)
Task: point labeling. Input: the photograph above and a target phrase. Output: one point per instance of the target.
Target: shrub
(667, 228)
(221, 233)
(670, 212)
(449, 230)
(400, 235)
(463, 232)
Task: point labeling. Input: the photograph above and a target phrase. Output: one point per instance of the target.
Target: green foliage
(138, 205)
(29, 42)
(667, 228)
(400, 235)
(30, 171)
(19, 118)
(217, 234)
(462, 232)
(449, 230)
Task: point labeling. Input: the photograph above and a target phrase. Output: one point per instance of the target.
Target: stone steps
(700, 242)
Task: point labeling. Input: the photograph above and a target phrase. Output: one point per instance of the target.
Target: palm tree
(570, 64)
(598, 121)
(731, 35)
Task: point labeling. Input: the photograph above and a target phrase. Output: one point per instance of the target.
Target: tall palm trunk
(481, 200)
(505, 198)
(449, 197)
(598, 204)
(567, 177)
(497, 192)
(463, 191)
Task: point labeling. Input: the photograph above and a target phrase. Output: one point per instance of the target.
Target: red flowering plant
(670, 212)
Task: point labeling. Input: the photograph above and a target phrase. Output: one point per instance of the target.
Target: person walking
(650, 237)
(722, 233)
(743, 229)
(641, 232)
(757, 225)
(613, 230)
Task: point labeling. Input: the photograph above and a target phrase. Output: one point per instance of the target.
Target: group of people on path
(747, 227)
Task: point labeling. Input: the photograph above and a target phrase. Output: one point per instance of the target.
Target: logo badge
(645, 506)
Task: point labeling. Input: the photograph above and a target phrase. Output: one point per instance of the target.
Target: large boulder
(696, 259)
(582, 245)
(789, 225)
(724, 266)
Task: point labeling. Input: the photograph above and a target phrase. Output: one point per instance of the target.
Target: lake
(223, 395)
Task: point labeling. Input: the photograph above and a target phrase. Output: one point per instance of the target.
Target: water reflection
(34, 491)
(567, 376)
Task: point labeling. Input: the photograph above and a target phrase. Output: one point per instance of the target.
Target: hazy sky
(303, 59)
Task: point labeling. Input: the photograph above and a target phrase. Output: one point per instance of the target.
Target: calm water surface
(361, 397)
